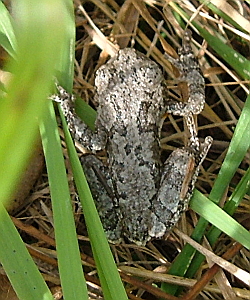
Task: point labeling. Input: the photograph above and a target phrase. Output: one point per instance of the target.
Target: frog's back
(129, 87)
(129, 92)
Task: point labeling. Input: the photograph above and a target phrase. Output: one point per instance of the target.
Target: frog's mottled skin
(136, 195)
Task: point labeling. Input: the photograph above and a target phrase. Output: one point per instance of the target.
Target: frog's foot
(199, 149)
(190, 73)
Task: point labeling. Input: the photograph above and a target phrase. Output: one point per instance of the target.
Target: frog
(139, 197)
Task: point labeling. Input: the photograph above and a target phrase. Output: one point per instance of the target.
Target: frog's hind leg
(174, 191)
(179, 175)
(101, 188)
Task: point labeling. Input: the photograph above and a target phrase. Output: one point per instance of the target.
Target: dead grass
(151, 26)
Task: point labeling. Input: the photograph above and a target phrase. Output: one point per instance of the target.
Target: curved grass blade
(214, 232)
(7, 36)
(18, 264)
(237, 151)
(40, 24)
(237, 61)
(69, 260)
(238, 147)
(222, 14)
(110, 280)
(219, 218)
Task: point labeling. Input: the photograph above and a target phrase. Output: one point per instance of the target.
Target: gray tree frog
(138, 196)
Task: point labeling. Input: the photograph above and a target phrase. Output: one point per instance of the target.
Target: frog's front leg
(177, 181)
(190, 73)
(93, 141)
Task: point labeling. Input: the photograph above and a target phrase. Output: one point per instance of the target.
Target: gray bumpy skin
(137, 196)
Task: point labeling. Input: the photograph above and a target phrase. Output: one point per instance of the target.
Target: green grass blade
(7, 36)
(28, 88)
(222, 14)
(65, 59)
(238, 147)
(238, 62)
(110, 280)
(21, 269)
(69, 261)
(86, 113)
(214, 232)
(40, 24)
(239, 192)
(219, 218)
